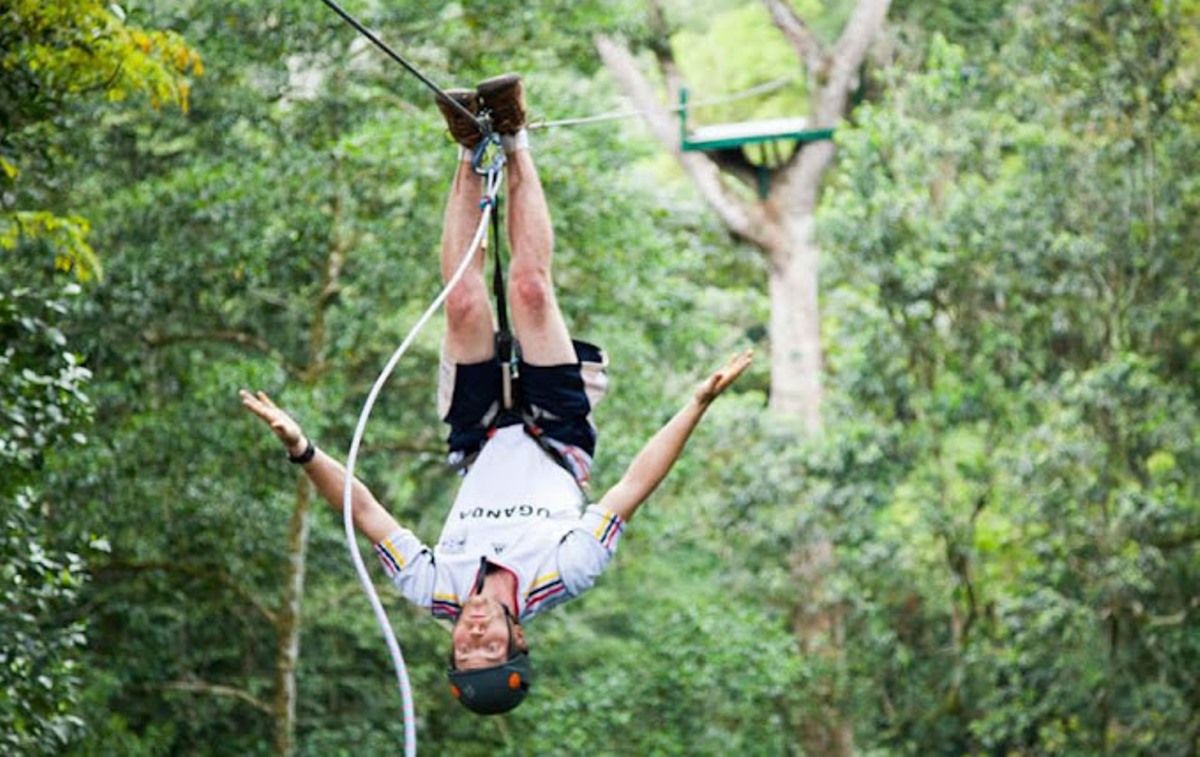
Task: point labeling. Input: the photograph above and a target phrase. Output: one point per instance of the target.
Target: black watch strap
(306, 456)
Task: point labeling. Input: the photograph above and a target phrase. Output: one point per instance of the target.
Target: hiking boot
(504, 97)
(464, 130)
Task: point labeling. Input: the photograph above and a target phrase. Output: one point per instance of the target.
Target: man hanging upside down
(521, 537)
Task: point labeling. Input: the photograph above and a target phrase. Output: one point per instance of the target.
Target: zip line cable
(758, 89)
(485, 127)
(481, 123)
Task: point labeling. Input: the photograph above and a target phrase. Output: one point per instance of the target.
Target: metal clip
(480, 160)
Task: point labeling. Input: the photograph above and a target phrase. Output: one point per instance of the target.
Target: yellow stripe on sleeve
(542, 581)
(395, 553)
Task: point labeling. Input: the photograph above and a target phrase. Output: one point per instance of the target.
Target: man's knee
(467, 303)
(531, 290)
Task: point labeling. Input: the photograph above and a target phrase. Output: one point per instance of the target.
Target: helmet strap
(513, 650)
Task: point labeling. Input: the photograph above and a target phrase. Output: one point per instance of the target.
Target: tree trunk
(817, 624)
(794, 265)
(288, 625)
(783, 228)
(795, 331)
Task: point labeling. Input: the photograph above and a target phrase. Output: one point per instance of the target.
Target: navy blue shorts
(558, 400)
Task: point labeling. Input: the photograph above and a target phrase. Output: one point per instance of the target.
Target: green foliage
(970, 23)
(740, 49)
(41, 399)
(1009, 470)
(1012, 260)
(44, 409)
(65, 238)
(55, 53)
(39, 659)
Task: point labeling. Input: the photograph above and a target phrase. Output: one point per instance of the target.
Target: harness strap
(535, 432)
(507, 348)
(488, 161)
(505, 345)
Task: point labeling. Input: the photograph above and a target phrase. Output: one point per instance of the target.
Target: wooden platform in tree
(722, 137)
(730, 136)
(726, 143)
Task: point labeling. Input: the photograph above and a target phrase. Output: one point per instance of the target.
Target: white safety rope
(493, 179)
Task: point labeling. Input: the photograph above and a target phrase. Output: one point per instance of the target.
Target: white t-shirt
(521, 511)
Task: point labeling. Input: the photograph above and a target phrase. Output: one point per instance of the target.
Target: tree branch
(742, 218)
(847, 59)
(660, 45)
(829, 97)
(802, 39)
(217, 690)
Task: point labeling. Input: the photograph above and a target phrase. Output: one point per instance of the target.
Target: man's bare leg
(469, 324)
(537, 320)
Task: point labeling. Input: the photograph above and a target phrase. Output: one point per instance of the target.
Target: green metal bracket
(732, 136)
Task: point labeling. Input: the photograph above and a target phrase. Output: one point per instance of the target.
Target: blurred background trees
(200, 197)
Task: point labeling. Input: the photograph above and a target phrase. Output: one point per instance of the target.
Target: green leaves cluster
(42, 400)
(40, 672)
(54, 51)
(1011, 301)
(44, 408)
(56, 54)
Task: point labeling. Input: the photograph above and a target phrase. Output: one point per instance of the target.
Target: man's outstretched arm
(327, 475)
(654, 461)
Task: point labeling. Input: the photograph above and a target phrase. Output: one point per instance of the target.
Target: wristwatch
(306, 456)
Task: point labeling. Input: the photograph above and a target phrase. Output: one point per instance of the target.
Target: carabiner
(479, 160)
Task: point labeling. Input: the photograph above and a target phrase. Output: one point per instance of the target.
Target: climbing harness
(505, 344)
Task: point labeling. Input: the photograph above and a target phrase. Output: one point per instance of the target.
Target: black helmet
(494, 690)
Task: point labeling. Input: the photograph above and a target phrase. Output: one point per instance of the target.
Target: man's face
(480, 634)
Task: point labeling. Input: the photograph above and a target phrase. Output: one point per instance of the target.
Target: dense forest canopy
(201, 197)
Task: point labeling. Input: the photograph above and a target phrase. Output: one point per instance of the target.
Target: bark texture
(781, 225)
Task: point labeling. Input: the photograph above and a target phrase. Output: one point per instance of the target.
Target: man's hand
(720, 380)
(327, 475)
(652, 464)
(280, 422)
